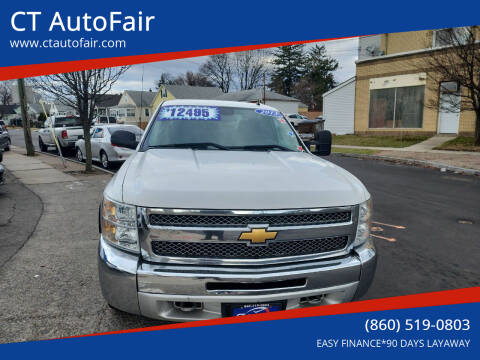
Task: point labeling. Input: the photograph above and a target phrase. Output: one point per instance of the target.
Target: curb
(423, 163)
(68, 159)
(77, 162)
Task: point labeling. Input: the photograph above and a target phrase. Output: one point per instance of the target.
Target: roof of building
(254, 95)
(62, 107)
(107, 100)
(8, 109)
(193, 92)
(339, 86)
(141, 98)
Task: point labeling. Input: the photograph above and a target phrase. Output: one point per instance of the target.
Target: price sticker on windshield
(268, 112)
(189, 112)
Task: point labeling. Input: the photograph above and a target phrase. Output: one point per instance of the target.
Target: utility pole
(25, 121)
(141, 101)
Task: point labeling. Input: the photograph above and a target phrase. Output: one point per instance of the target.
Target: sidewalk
(32, 170)
(49, 288)
(423, 154)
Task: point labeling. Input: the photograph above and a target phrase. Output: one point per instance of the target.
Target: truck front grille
(321, 218)
(240, 250)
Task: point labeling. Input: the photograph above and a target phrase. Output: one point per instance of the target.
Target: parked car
(67, 130)
(222, 210)
(104, 149)
(308, 128)
(296, 118)
(5, 140)
(101, 120)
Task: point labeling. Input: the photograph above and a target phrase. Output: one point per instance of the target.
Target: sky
(344, 50)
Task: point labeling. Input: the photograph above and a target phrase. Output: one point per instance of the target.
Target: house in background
(134, 107)
(285, 104)
(339, 108)
(170, 92)
(104, 103)
(8, 113)
(393, 87)
(59, 109)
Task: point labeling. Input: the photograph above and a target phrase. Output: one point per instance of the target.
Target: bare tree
(190, 78)
(5, 97)
(80, 90)
(197, 79)
(5, 94)
(456, 61)
(218, 69)
(168, 79)
(250, 67)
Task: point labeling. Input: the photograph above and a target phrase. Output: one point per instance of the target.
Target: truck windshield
(225, 128)
(67, 121)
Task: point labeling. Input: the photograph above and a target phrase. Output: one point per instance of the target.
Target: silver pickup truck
(67, 130)
(223, 211)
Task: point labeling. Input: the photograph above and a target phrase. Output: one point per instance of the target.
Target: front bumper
(154, 290)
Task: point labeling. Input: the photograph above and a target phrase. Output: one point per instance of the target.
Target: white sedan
(102, 148)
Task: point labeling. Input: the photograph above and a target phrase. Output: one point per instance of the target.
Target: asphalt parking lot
(426, 227)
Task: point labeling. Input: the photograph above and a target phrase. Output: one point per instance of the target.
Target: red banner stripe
(24, 71)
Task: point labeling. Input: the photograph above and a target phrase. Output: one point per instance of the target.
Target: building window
(451, 36)
(147, 112)
(400, 107)
(130, 112)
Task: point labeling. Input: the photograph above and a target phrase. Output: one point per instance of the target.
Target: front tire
(79, 155)
(104, 160)
(41, 145)
(9, 142)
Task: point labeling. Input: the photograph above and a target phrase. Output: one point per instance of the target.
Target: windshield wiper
(262, 147)
(201, 145)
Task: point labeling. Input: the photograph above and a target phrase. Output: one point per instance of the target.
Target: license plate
(250, 309)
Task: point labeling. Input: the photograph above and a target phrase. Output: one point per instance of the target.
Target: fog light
(317, 299)
(187, 306)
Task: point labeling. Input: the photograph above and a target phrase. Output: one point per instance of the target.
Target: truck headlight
(119, 224)
(364, 223)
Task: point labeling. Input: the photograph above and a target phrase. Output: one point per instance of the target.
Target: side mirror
(322, 145)
(124, 139)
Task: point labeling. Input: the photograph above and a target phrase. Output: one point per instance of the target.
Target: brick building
(394, 87)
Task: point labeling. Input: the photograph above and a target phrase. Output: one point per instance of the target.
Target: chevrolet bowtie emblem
(258, 236)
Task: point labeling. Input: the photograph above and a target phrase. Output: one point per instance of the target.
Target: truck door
(45, 133)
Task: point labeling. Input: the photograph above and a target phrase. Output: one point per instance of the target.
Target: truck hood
(240, 180)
